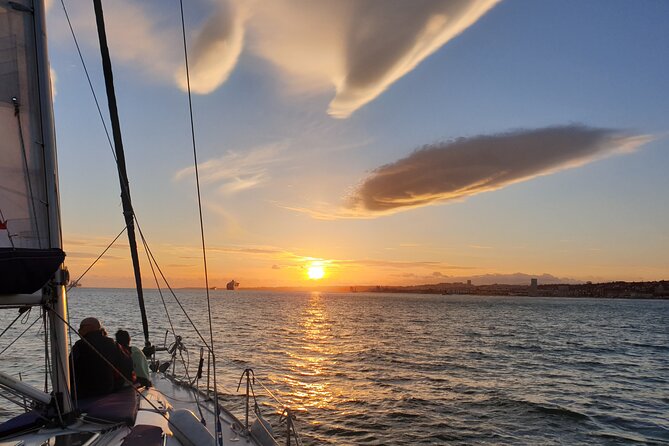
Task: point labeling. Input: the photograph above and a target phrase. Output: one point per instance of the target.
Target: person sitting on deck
(92, 375)
(139, 362)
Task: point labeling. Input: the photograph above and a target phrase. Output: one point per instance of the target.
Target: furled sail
(29, 228)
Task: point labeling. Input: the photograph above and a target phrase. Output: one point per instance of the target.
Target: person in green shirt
(139, 362)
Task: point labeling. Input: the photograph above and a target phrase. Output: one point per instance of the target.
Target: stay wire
(111, 145)
(219, 435)
(169, 287)
(155, 278)
(96, 260)
(97, 103)
(88, 77)
(197, 177)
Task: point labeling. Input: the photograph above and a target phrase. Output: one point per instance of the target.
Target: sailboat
(32, 274)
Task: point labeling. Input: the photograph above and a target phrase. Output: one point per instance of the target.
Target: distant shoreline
(613, 290)
(620, 289)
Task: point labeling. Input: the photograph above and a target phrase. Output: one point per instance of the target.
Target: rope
(96, 260)
(21, 313)
(115, 158)
(219, 434)
(19, 336)
(9, 236)
(274, 397)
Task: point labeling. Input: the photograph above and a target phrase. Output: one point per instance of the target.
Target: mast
(128, 212)
(55, 294)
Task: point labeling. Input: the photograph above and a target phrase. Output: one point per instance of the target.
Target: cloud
(359, 48)
(356, 48)
(137, 36)
(368, 263)
(216, 48)
(237, 171)
(455, 170)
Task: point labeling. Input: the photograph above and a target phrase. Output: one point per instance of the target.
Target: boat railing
(196, 376)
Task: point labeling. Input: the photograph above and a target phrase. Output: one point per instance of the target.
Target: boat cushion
(118, 407)
(22, 423)
(144, 435)
(188, 429)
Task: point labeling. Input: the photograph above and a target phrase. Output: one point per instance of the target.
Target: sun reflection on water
(310, 357)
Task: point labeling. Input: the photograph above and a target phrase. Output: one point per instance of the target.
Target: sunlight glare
(315, 272)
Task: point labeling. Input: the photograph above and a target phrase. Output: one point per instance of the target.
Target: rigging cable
(115, 369)
(155, 278)
(219, 434)
(96, 260)
(209, 347)
(169, 287)
(19, 336)
(126, 202)
(88, 77)
(21, 313)
(111, 146)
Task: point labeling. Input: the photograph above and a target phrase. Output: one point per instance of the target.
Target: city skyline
(481, 138)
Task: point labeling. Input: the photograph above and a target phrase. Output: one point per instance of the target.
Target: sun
(315, 272)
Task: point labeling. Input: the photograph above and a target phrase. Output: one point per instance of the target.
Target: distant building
(534, 283)
(469, 283)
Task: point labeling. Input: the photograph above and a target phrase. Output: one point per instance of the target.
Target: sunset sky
(388, 142)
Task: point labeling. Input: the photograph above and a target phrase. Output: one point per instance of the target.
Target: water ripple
(409, 369)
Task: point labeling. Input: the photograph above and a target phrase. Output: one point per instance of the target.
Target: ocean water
(396, 369)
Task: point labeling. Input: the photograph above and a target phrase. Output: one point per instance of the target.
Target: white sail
(29, 224)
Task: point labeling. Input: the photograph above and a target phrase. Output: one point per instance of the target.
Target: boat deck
(166, 414)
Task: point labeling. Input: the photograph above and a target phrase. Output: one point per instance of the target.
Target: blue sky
(273, 157)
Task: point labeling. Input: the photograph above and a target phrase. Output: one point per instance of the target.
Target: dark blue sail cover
(27, 270)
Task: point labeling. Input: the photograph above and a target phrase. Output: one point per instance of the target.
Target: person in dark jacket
(92, 376)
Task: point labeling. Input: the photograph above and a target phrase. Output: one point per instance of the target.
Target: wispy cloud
(281, 258)
(237, 171)
(455, 170)
(400, 264)
(480, 247)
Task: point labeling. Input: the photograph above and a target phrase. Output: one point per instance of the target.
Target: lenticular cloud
(358, 48)
(217, 47)
(464, 167)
